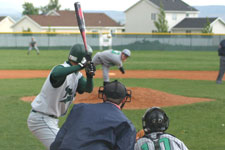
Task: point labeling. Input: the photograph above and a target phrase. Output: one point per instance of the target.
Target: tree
(207, 28)
(161, 24)
(29, 9)
(52, 5)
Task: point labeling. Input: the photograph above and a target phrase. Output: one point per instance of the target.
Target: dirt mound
(142, 98)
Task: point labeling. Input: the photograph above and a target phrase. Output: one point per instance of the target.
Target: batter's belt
(44, 114)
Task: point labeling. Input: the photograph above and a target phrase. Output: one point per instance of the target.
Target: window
(174, 17)
(187, 15)
(153, 16)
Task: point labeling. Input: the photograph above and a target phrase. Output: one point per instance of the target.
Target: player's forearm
(85, 85)
(60, 71)
(89, 85)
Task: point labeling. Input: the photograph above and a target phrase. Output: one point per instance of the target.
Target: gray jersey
(108, 58)
(32, 43)
(55, 101)
(166, 142)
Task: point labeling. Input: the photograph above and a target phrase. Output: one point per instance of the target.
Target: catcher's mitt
(140, 134)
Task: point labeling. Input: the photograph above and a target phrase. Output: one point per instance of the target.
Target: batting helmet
(77, 52)
(115, 92)
(155, 120)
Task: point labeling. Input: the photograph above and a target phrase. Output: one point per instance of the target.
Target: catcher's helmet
(115, 92)
(155, 120)
(77, 52)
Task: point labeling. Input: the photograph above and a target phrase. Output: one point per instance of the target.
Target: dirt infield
(141, 97)
(189, 75)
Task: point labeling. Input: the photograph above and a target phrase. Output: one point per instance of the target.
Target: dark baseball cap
(222, 44)
(115, 90)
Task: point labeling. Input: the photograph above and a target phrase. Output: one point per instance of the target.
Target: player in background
(33, 44)
(101, 126)
(63, 83)
(109, 58)
(155, 122)
(221, 53)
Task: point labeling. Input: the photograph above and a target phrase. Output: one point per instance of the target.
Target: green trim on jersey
(166, 143)
(144, 146)
(116, 52)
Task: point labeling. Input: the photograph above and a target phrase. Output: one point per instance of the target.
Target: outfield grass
(198, 125)
(140, 60)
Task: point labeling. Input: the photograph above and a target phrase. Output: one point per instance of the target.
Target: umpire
(101, 126)
(221, 53)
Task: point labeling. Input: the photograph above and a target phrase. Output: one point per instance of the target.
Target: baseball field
(181, 82)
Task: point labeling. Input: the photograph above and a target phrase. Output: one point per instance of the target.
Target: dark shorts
(32, 44)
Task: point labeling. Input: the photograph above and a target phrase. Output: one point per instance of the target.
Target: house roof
(2, 17)
(68, 18)
(194, 22)
(177, 5)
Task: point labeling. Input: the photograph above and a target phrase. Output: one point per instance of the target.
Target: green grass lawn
(139, 60)
(198, 125)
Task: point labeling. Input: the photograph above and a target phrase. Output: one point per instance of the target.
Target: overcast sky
(118, 5)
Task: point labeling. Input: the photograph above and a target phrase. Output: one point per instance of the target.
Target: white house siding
(88, 29)
(178, 17)
(105, 29)
(24, 24)
(5, 25)
(59, 29)
(138, 18)
(183, 30)
(218, 27)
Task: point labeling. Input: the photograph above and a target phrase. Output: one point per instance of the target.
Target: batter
(57, 93)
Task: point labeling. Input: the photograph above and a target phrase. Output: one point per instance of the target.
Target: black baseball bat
(81, 25)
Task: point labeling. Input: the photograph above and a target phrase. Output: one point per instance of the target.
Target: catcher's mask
(77, 52)
(115, 92)
(155, 120)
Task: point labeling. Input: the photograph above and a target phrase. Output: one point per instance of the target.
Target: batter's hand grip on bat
(81, 25)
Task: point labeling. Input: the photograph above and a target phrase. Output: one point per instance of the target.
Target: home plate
(112, 74)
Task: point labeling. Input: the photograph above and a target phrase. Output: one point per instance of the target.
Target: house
(65, 21)
(5, 24)
(141, 16)
(195, 25)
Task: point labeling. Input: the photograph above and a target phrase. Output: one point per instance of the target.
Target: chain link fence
(119, 41)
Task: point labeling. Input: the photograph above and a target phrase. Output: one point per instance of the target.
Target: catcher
(101, 126)
(57, 93)
(109, 58)
(155, 122)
